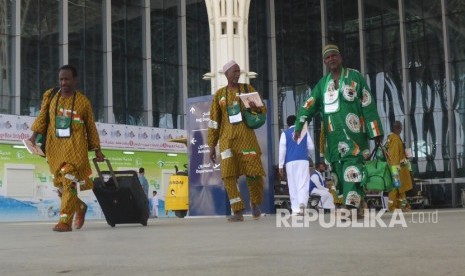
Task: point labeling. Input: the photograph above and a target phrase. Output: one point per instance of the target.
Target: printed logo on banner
(103, 132)
(142, 134)
(115, 132)
(15, 127)
(21, 125)
(155, 135)
(129, 133)
(7, 125)
(168, 136)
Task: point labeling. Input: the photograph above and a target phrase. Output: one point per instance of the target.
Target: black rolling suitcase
(121, 197)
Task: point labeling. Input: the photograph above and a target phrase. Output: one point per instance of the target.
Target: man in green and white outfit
(350, 120)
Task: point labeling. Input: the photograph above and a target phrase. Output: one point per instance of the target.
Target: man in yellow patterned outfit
(397, 158)
(70, 133)
(239, 149)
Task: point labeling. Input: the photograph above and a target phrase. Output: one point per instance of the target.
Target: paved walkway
(212, 246)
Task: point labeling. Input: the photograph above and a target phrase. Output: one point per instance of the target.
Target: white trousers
(155, 210)
(298, 180)
(327, 200)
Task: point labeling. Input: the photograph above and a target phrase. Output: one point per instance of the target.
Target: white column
(361, 34)
(107, 65)
(147, 64)
(273, 79)
(405, 73)
(228, 39)
(450, 107)
(182, 35)
(63, 31)
(324, 29)
(16, 64)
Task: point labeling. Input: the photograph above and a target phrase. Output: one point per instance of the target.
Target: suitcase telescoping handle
(112, 173)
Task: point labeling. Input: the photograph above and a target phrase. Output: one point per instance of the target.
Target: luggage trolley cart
(377, 200)
(281, 192)
(177, 196)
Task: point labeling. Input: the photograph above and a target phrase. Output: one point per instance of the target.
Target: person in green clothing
(350, 120)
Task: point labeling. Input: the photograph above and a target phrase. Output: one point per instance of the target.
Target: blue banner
(207, 195)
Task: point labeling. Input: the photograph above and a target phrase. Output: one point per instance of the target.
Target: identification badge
(234, 113)
(331, 100)
(62, 127)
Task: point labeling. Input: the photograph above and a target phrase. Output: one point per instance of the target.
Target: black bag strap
(373, 153)
(54, 92)
(246, 88)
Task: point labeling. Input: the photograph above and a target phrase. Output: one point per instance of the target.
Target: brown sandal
(80, 217)
(256, 213)
(236, 217)
(62, 227)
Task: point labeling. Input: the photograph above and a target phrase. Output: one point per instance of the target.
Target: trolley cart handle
(99, 172)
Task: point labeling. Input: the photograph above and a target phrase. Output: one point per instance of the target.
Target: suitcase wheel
(111, 224)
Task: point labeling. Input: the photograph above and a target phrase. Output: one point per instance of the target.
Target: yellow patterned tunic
(84, 134)
(239, 149)
(396, 153)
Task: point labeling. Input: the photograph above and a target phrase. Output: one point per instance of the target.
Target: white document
(33, 149)
(408, 153)
(251, 97)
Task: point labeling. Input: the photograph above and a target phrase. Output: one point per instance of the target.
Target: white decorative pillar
(228, 21)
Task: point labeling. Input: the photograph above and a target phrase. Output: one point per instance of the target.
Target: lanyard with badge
(234, 110)
(63, 123)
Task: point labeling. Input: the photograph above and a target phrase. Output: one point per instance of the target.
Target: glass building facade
(139, 61)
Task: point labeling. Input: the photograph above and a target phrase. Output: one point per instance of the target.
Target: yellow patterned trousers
(397, 200)
(254, 185)
(66, 182)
